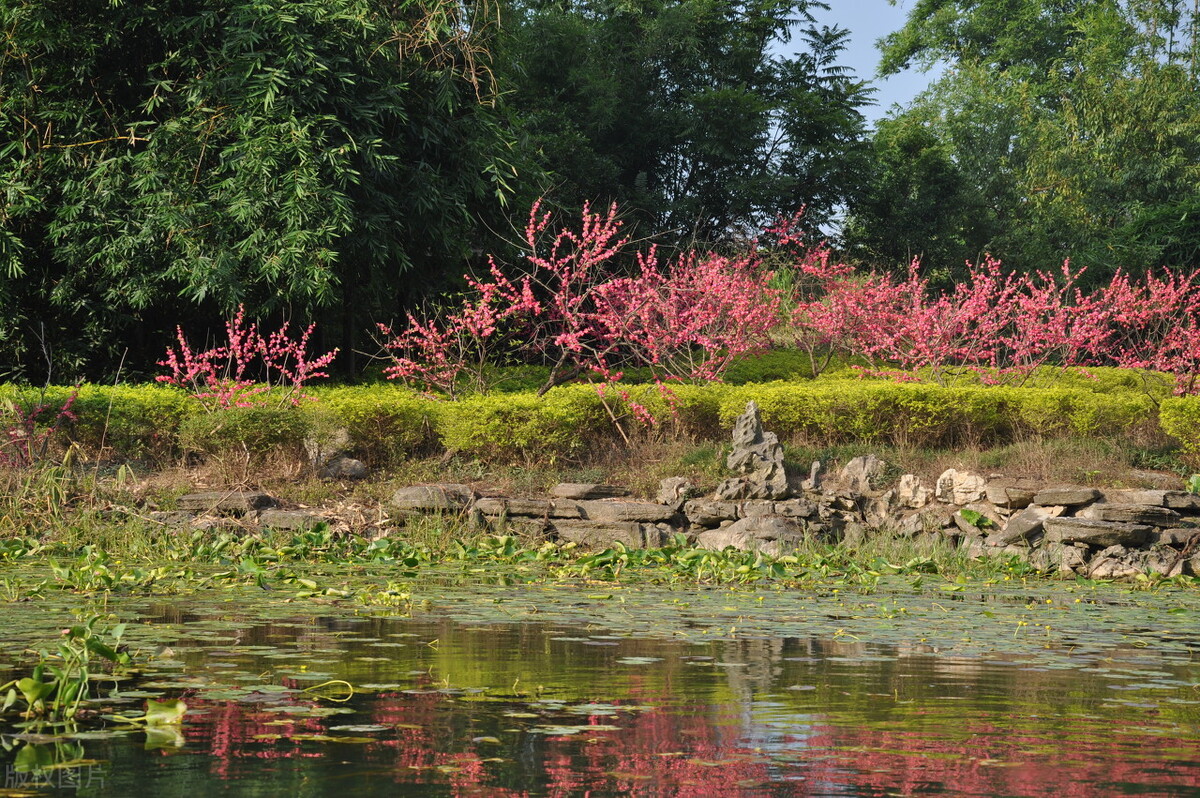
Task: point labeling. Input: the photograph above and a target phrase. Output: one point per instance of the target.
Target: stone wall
(1104, 533)
(1068, 529)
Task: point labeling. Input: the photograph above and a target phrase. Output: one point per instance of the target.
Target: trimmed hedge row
(384, 424)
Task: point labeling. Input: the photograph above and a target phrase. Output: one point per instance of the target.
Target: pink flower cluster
(250, 366)
(1006, 325)
(692, 316)
(688, 318)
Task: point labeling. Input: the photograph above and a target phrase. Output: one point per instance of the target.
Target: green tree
(686, 112)
(160, 161)
(1072, 128)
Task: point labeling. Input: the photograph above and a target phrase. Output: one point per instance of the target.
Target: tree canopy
(691, 114)
(166, 160)
(1064, 129)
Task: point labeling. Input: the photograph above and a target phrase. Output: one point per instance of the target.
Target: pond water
(563, 690)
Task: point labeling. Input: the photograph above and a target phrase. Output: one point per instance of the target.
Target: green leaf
(164, 713)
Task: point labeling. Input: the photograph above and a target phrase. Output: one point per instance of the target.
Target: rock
(1182, 501)
(440, 498)
(878, 509)
(756, 507)
(965, 526)
(1023, 525)
(289, 519)
(1094, 533)
(615, 510)
(706, 512)
(172, 518)
(1192, 565)
(910, 526)
(795, 508)
(1177, 537)
(758, 457)
(771, 535)
(229, 502)
(1153, 498)
(1057, 558)
(1114, 562)
(813, 482)
(960, 487)
(769, 527)
(675, 491)
(603, 535)
(1065, 496)
(987, 519)
(343, 467)
(860, 474)
(530, 508)
(586, 490)
(329, 445)
(912, 493)
(1130, 514)
(1014, 494)
(1163, 560)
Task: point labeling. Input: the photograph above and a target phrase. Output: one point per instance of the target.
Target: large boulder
(497, 506)
(1023, 525)
(1130, 514)
(604, 535)
(1011, 494)
(1065, 496)
(674, 491)
(706, 512)
(1097, 534)
(960, 487)
(616, 510)
(861, 473)
(439, 498)
(757, 457)
(1182, 501)
(586, 490)
(773, 535)
(912, 493)
(343, 467)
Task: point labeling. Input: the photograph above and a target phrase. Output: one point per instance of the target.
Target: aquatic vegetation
(61, 680)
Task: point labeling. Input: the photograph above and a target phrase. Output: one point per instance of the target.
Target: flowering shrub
(691, 317)
(1004, 326)
(686, 319)
(222, 377)
(25, 437)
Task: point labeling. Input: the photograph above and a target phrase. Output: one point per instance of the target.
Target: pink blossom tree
(247, 369)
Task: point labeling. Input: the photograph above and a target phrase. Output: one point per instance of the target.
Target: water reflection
(528, 709)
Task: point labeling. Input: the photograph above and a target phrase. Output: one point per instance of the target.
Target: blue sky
(867, 21)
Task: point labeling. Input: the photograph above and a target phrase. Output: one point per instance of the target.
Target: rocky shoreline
(1100, 533)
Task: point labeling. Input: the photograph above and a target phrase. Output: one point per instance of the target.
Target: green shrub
(252, 432)
(564, 422)
(130, 421)
(833, 412)
(383, 424)
(1179, 417)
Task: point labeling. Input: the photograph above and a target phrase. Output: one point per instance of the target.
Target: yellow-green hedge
(384, 424)
(841, 411)
(1179, 417)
